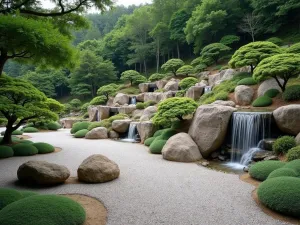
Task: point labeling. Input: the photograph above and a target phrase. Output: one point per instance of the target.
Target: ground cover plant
(283, 172)
(24, 150)
(283, 144)
(293, 154)
(81, 133)
(6, 151)
(262, 101)
(43, 148)
(261, 170)
(80, 126)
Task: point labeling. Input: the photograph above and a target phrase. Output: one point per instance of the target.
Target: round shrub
(272, 93)
(261, 170)
(281, 194)
(283, 172)
(156, 77)
(27, 194)
(275, 40)
(24, 142)
(24, 150)
(140, 105)
(157, 146)
(53, 126)
(223, 95)
(149, 141)
(44, 148)
(30, 130)
(295, 165)
(158, 133)
(8, 196)
(292, 93)
(15, 132)
(43, 209)
(262, 101)
(75, 103)
(283, 144)
(6, 152)
(102, 123)
(180, 93)
(247, 81)
(293, 153)
(81, 133)
(79, 126)
(100, 100)
(188, 82)
(168, 133)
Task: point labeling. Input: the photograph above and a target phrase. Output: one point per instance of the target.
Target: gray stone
(121, 126)
(205, 163)
(224, 103)
(97, 133)
(93, 113)
(168, 94)
(113, 134)
(140, 97)
(144, 87)
(44, 173)
(148, 113)
(153, 96)
(272, 157)
(298, 139)
(110, 102)
(204, 75)
(245, 69)
(244, 95)
(172, 85)
(103, 112)
(202, 83)
(161, 84)
(68, 123)
(127, 109)
(267, 144)
(227, 74)
(98, 169)
(267, 85)
(121, 99)
(137, 114)
(195, 92)
(145, 129)
(213, 79)
(288, 118)
(261, 155)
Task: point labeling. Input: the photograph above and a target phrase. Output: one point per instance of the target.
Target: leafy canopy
(186, 70)
(214, 51)
(188, 82)
(133, 77)
(229, 39)
(108, 90)
(172, 65)
(295, 48)
(156, 77)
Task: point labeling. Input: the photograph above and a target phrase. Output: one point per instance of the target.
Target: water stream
(133, 100)
(132, 132)
(207, 89)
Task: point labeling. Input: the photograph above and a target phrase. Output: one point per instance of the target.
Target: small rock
(261, 155)
(222, 158)
(215, 155)
(205, 163)
(97, 133)
(272, 157)
(246, 169)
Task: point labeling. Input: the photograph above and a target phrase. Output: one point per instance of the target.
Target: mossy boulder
(30, 130)
(44, 148)
(261, 170)
(81, 133)
(157, 146)
(8, 196)
(283, 172)
(149, 141)
(79, 126)
(24, 150)
(6, 152)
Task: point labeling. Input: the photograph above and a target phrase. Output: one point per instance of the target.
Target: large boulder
(140, 97)
(68, 123)
(121, 99)
(97, 133)
(224, 103)
(98, 169)
(204, 75)
(113, 134)
(288, 119)
(144, 87)
(137, 114)
(93, 113)
(243, 95)
(298, 139)
(181, 148)
(43, 173)
(153, 96)
(145, 129)
(161, 84)
(209, 127)
(127, 109)
(202, 83)
(245, 69)
(267, 85)
(121, 126)
(148, 113)
(103, 112)
(227, 74)
(168, 94)
(110, 101)
(195, 92)
(172, 85)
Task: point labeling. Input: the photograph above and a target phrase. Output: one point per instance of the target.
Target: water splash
(207, 89)
(133, 100)
(132, 132)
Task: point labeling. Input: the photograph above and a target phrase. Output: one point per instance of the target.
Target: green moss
(149, 141)
(102, 123)
(130, 90)
(272, 93)
(27, 194)
(24, 150)
(80, 126)
(117, 117)
(281, 195)
(158, 133)
(30, 130)
(149, 103)
(180, 93)
(295, 165)
(53, 126)
(157, 146)
(6, 152)
(283, 144)
(166, 134)
(292, 93)
(261, 170)
(283, 172)
(99, 100)
(81, 133)
(293, 153)
(44, 148)
(247, 81)
(24, 142)
(223, 95)
(262, 101)
(140, 105)
(8, 196)
(16, 132)
(42, 210)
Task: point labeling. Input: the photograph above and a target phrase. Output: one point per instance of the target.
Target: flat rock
(172, 85)
(97, 133)
(148, 113)
(195, 92)
(224, 103)
(153, 96)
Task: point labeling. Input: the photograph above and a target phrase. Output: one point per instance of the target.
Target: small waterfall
(132, 132)
(133, 100)
(248, 128)
(207, 89)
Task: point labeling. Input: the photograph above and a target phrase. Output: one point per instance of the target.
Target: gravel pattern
(150, 190)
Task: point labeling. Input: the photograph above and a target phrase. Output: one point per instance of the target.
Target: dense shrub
(180, 93)
(158, 133)
(262, 101)
(188, 82)
(140, 105)
(6, 152)
(149, 141)
(157, 146)
(26, 194)
(24, 150)
(15, 132)
(275, 40)
(292, 93)
(67, 108)
(75, 103)
(283, 144)
(293, 153)
(100, 100)
(43, 209)
(80, 126)
(149, 103)
(295, 165)
(44, 148)
(281, 195)
(81, 133)
(156, 77)
(272, 93)
(247, 81)
(84, 107)
(102, 123)
(166, 134)
(261, 170)
(200, 68)
(30, 130)
(24, 142)
(8, 196)
(283, 172)
(53, 126)
(221, 96)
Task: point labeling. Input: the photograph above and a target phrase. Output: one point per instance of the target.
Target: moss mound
(247, 81)
(166, 134)
(53, 126)
(272, 93)
(8, 196)
(44, 148)
(42, 210)
(15, 132)
(262, 101)
(295, 165)
(24, 150)
(24, 142)
(292, 93)
(293, 154)
(157, 146)
(79, 126)
(158, 133)
(283, 172)
(81, 133)
(149, 141)
(261, 170)
(27, 194)
(6, 152)
(281, 194)
(283, 144)
(30, 130)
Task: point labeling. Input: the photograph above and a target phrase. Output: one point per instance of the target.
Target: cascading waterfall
(248, 129)
(132, 131)
(207, 89)
(133, 100)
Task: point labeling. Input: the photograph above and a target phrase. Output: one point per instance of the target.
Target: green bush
(156, 77)
(247, 81)
(81, 133)
(43, 210)
(16, 132)
(275, 40)
(24, 150)
(67, 108)
(149, 103)
(283, 144)
(80, 126)
(84, 107)
(292, 93)
(102, 123)
(100, 100)
(44, 148)
(158, 133)
(117, 117)
(295, 165)
(75, 103)
(166, 134)
(200, 68)
(261, 170)
(24, 142)
(149, 141)
(30, 130)
(140, 105)
(293, 153)
(27, 194)
(262, 101)
(221, 96)
(283, 172)
(157, 146)
(188, 82)
(53, 126)
(180, 93)
(8, 196)
(6, 152)
(272, 93)
(281, 195)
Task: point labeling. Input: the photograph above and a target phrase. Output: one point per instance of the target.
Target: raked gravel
(150, 190)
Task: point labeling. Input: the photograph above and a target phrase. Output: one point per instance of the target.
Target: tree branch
(23, 120)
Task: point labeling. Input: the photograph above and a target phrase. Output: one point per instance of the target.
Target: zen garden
(147, 112)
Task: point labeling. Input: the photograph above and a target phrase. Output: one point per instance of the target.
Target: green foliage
(293, 153)
(129, 90)
(5, 152)
(8, 196)
(108, 90)
(30, 130)
(117, 117)
(177, 25)
(81, 133)
(103, 123)
(172, 65)
(185, 70)
(27, 194)
(283, 172)
(229, 39)
(67, 108)
(140, 105)
(156, 77)
(295, 165)
(272, 93)
(223, 95)
(157, 146)
(84, 107)
(173, 109)
(200, 68)
(167, 133)
(15, 132)
(275, 40)
(295, 48)
(180, 93)
(44, 148)
(53, 126)
(205, 61)
(149, 141)
(261, 170)
(75, 103)
(80, 126)
(188, 82)
(281, 194)
(131, 76)
(262, 101)
(214, 51)
(292, 93)
(23, 141)
(149, 103)
(283, 144)
(247, 81)
(100, 100)
(43, 209)
(24, 150)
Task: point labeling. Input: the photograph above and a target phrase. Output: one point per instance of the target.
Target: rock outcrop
(93, 113)
(127, 109)
(288, 119)
(143, 87)
(113, 134)
(145, 129)
(267, 85)
(243, 95)
(161, 84)
(153, 96)
(121, 126)
(148, 113)
(195, 92)
(97, 133)
(172, 85)
(224, 103)
(103, 112)
(121, 99)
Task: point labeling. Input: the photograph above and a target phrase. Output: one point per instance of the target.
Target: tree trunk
(178, 50)
(2, 63)
(157, 57)
(280, 85)
(140, 67)
(145, 66)
(252, 68)
(8, 132)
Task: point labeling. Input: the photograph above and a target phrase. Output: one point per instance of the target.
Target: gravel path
(149, 190)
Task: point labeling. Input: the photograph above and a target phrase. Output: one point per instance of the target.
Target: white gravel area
(150, 190)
